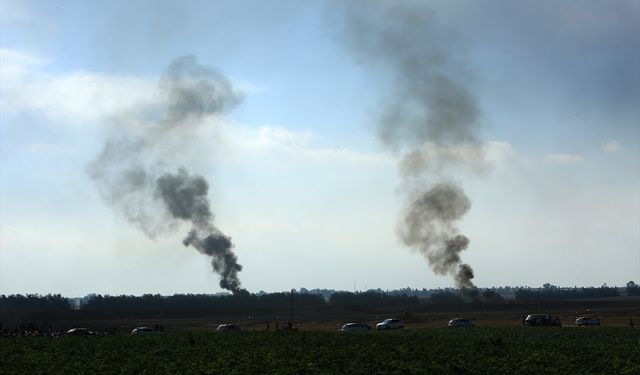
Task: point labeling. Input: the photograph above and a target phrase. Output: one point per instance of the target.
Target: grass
(485, 350)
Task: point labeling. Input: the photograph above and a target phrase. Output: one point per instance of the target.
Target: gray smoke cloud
(430, 117)
(132, 170)
(185, 197)
(429, 226)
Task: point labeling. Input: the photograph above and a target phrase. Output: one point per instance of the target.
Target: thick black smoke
(429, 227)
(131, 171)
(429, 116)
(185, 197)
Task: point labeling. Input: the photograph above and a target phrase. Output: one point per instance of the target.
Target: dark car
(541, 320)
(228, 328)
(585, 321)
(79, 332)
(144, 331)
(459, 322)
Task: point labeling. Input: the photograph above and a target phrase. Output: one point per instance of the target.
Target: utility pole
(291, 316)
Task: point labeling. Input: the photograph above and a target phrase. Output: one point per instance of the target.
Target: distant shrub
(372, 299)
(446, 298)
(555, 294)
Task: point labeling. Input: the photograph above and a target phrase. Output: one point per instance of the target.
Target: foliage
(492, 296)
(555, 293)
(33, 306)
(186, 305)
(446, 298)
(509, 350)
(372, 299)
(633, 289)
(49, 301)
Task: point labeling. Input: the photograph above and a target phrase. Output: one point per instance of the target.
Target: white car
(586, 321)
(355, 327)
(459, 322)
(390, 324)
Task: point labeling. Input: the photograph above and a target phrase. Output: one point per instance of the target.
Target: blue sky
(298, 178)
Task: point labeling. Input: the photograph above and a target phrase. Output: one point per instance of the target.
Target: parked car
(228, 328)
(390, 324)
(355, 327)
(144, 331)
(585, 321)
(541, 320)
(459, 322)
(79, 332)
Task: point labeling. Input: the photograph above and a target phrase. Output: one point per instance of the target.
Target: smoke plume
(134, 171)
(429, 117)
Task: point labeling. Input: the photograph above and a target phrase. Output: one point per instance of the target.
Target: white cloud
(611, 146)
(45, 147)
(278, 136)
(15, 12)
(498, 151)
(75, 97)
(279, 140)
(17, 62)
(563, 158)
(78, 98)
(248, 87)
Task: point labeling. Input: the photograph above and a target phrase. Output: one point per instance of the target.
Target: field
(481, 350)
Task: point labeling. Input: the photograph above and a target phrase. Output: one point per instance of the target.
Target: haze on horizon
(300, 175)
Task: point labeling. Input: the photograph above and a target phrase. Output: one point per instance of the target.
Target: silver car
(355, 327)
(390, 324)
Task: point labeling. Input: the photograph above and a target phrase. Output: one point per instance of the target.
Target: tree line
(263, 304)
(555, 294)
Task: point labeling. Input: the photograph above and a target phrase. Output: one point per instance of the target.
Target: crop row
(504, 350)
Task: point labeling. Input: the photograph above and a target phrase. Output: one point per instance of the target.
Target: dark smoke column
(428, 226)
(134, 171)
(429, 118)
(185, 197)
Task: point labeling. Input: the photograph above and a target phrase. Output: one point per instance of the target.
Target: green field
(487, 350)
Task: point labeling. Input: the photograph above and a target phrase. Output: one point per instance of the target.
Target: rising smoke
(430, 118)
(134, 170)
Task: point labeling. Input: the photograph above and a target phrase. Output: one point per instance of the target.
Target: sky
(299, 177)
